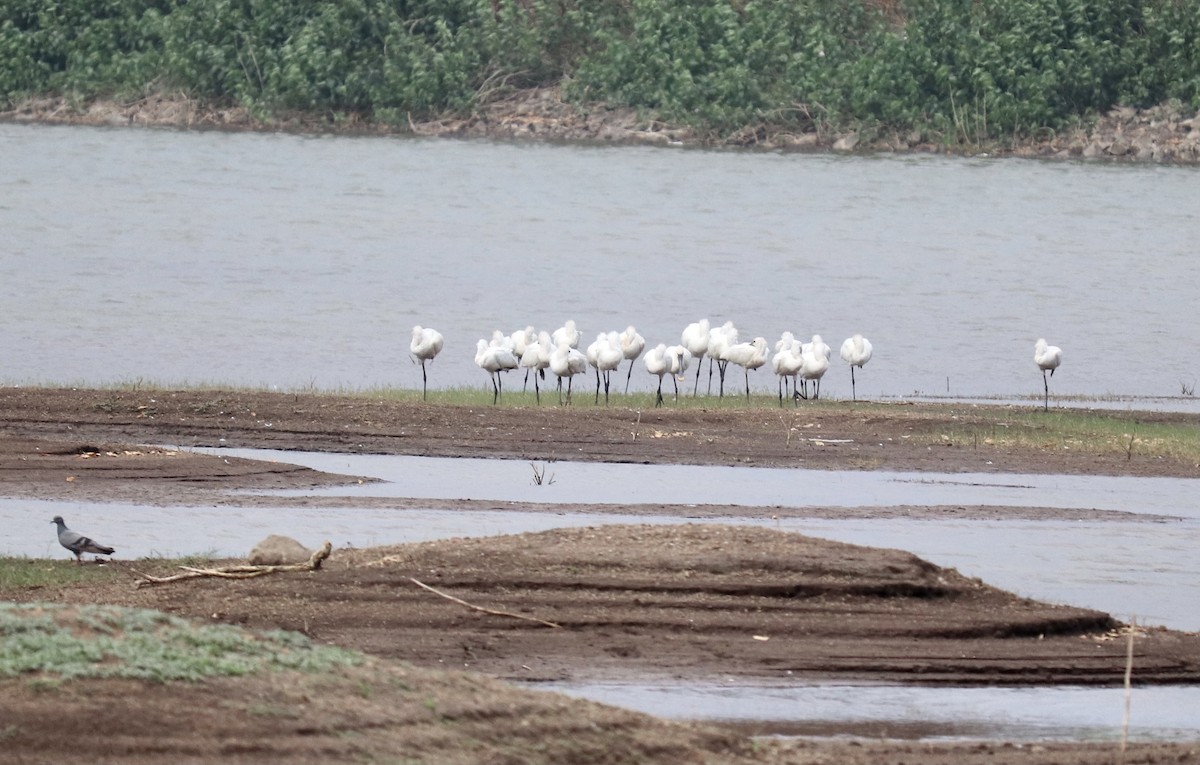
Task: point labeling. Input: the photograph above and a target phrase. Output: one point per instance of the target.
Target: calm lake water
(279, 260)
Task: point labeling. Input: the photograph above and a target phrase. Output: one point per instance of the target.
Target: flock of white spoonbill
(559, 352)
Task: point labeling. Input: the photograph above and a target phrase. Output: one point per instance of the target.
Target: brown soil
(632, 602)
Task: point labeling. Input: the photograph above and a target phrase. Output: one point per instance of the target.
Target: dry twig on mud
(236, 572)
(474, 607)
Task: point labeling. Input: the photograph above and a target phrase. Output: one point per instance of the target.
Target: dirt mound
(694, 601)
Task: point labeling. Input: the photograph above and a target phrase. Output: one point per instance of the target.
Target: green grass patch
(27, 573)
(1096, 432)
(44, 640)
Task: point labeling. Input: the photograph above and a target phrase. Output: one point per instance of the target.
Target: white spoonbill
(814, 358)
(720, 339)
(786, 363)
(657, 364)
(567, 362)
(678, 359)
(632, 345)
(426, 344)
(1047, 357)
(536, 359)
(605, 355)
(856, 351)
(695, 339)
(494, 359)
(568, 333)
(748, 356)
(521, 339)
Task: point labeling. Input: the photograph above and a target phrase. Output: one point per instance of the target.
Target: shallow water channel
(1138, 562)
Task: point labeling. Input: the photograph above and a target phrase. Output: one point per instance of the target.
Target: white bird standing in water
(426, 344)
(632, 345)
(695, 339)
(856, 351)
(1047, 357)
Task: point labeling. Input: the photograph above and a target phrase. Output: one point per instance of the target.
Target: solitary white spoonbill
(632, 345)
(1047, 357)
(567, 362)
(856, 351)
(695, 339)
(494, 359)
(748, 356)
(426, 344)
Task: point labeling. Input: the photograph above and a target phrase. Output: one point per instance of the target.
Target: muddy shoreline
(1163, 134)
(687, 602)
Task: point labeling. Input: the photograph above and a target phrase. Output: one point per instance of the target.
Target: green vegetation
(950, 70)
(23, 573)
(52, 641)
(1094, 432)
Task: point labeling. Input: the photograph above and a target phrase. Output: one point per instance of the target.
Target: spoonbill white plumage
(720, 339)
(568, 333)
(426, 344)
(521, 338)
(605, 355)
(657, 364)
(535, 359)
(494, 359)
(814, 357)
(501, 340)
(786, 363)
(678, 360)
(856, 351)
(1047, 357)
(695, 339)
(748, 356)
(632, 345)
(567, 362)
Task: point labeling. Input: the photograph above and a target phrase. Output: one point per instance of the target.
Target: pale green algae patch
(53, 640)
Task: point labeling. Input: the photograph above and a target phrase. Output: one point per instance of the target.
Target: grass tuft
(48, 641)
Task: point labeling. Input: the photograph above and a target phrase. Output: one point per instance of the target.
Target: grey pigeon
(78, 543)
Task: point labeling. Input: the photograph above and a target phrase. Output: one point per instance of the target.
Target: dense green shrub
(971, 69)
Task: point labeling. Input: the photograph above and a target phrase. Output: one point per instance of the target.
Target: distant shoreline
(1161, 135)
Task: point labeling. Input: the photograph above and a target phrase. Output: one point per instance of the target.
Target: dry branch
(236, 572)
(473, 607)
